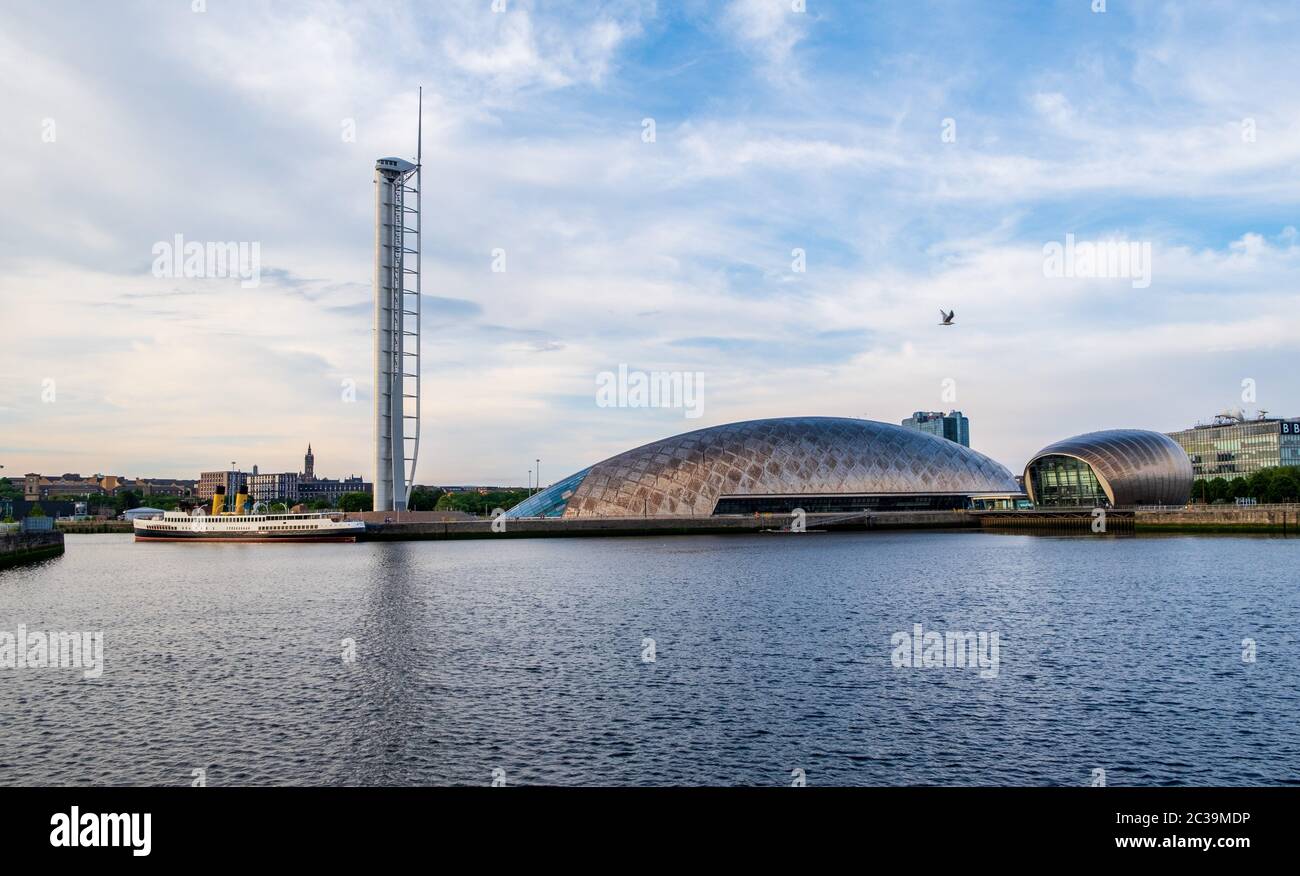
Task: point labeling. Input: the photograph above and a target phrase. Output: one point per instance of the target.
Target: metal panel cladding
(1134, 466)
(686, 474)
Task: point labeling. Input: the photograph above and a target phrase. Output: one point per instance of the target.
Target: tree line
(1275, 485)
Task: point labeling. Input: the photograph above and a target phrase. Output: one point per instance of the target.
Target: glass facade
(953, 425)
(1240, 449)
(551, 501)
(1065, 481)
(1000, 503)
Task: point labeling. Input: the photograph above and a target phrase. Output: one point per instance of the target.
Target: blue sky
(775, 129)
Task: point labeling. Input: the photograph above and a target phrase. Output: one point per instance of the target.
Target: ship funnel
(241, 498)
(219, 500)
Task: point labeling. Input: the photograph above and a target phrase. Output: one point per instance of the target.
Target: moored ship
(247, 527)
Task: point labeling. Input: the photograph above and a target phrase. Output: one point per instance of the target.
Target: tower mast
(397, 324)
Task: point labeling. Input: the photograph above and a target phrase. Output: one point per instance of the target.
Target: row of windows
(258, 519)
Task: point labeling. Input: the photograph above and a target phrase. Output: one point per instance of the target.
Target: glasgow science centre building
(838, 465)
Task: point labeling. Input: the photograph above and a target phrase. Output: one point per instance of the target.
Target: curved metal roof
(1134, 466)
(686, 474)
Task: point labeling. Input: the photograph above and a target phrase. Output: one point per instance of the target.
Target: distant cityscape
(62, 494)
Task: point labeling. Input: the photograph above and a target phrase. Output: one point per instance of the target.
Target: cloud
(769, 28)
(776, 130)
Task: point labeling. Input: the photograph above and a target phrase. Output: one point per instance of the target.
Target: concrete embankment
(626, 526)
(82, 527)
(1046, 520)
(1280, 519)
(420, 525)
(28, 547)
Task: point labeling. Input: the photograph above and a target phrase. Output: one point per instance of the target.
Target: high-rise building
(953, 425)
(309, 465)
(231, 479)
(1233, 447)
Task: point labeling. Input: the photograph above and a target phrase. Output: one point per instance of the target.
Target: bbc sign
(1291, 428)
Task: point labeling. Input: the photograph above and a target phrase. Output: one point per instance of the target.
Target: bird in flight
(947, 317)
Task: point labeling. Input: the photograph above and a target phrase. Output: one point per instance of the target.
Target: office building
(953, 425)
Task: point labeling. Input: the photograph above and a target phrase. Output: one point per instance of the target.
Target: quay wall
(28, 547)
(628, 526)
(1281, 519)
(82, 527)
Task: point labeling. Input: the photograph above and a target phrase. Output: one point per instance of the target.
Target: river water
(773, 660)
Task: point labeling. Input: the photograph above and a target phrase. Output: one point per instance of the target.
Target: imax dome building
(819, 464)
(1117, 468)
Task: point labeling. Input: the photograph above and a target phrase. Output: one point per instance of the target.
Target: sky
(773, 198)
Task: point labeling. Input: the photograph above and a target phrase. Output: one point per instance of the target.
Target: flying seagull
(947, 317)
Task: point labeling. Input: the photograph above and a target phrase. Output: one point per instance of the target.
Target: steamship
(222, 525)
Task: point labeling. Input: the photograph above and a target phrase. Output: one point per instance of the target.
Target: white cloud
(769, 27)
(672, 255)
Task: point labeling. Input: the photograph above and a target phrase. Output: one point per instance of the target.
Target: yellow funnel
(241, 498)
(219, 500)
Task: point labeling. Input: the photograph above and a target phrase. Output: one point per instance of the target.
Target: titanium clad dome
(1132, 466)
(790, 456)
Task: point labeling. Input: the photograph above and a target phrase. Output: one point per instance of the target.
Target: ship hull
(248, 528)
(245, 536)
(180, 536)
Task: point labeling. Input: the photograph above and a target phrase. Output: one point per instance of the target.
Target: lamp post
(539, 475)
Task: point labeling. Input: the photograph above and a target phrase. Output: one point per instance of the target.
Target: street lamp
(539, 475)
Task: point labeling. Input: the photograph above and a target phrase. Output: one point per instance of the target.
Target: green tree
(1289, 483)
(356, 502)
(423, 500)
(1216, 491)
(36, 511)
(474, 502)
(126, 500)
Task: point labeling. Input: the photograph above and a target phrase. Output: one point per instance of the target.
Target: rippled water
(773, 653)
